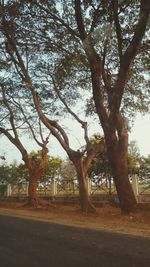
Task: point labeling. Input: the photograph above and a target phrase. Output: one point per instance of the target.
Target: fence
(70, 188)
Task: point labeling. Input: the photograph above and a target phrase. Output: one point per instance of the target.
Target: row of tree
(53, 54)
(63, 170)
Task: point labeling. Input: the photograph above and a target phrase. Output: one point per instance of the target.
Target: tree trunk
(117, 152)
(35, 172)
(33, 198)
(124, 190)
(85, 202)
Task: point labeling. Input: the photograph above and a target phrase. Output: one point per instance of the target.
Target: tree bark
(117, 146)
(35, 174)
(33, 198)
(85, 202)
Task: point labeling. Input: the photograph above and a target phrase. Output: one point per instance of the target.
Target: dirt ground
(107, 217)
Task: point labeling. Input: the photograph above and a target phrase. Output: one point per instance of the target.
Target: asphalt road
(29, 243)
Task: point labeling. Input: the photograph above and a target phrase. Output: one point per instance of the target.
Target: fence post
(135, 186)
(8, 190)
(88, 186)
(54, 188)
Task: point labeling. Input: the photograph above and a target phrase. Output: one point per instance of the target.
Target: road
(31, 243)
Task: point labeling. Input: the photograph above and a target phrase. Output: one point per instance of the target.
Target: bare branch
(7, 115)
(16, 142)
(83, 123)
(41, 134)
(53, 126)
(11, 115)
(29, 125)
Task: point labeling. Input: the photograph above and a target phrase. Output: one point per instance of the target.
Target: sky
(140, 133)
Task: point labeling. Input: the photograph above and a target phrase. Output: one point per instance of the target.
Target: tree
(4, 174)
(81, 163)
(144, 169)
(110, 63)
(68, 171)
(111, 118)
(13, 173)
(10, 126)
(100, 170)
(52, 166)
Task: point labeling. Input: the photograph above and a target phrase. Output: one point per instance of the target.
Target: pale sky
(140, 133)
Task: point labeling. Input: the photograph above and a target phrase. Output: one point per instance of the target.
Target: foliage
(52, 169)
(68, 171)
(18, 173)
(48, 57)
(47, 54)
(52, 166)
(100, 168)
(144, 169)
(13, 173)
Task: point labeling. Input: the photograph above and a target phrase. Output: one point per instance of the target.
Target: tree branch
(95, 18)
(132, 49)
(56, 18)
(53, 126)
(88, 160)
(118, 27)
(83, 123)
(12, 48)
(11, 117)
(28, 123)
(16, 142)
(79, 20)
(129, 55)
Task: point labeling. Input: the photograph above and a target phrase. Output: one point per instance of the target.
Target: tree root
(90, 209)
(38, 203)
